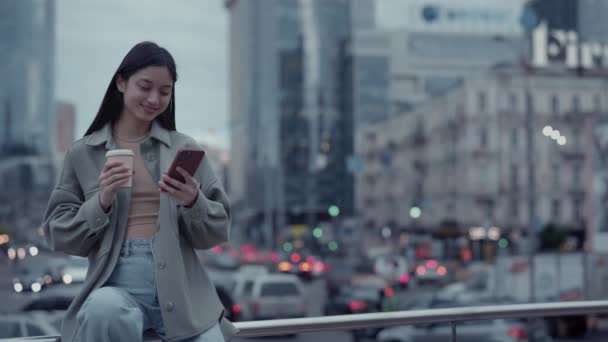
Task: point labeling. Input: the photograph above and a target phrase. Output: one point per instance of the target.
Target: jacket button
(162, 264)
(169, 306)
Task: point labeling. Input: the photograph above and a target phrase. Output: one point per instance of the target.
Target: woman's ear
(121, 83)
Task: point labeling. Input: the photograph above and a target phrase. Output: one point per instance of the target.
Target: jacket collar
(104, 135)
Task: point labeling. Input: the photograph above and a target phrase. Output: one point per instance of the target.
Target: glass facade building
(27, 38)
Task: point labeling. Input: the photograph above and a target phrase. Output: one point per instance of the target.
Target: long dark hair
(142, 55)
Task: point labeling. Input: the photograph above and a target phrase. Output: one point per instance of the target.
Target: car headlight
(36, 287)
(67, 279)
(18, 287)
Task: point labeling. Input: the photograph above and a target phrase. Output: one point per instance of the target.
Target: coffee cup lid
(119, 153)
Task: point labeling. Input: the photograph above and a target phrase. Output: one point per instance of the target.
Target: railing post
(453, 331)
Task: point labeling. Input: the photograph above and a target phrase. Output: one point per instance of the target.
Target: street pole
(529, 119)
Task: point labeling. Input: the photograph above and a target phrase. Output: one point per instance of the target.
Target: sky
(94, 36)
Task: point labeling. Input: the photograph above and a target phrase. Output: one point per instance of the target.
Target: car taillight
(295, 258)
(420, 270)
(284, 266)
(441, 270)
(357, 305)
(404, 279)
(274, 257)
(236, 309)
(432, 264)
(318, 267)
(389, 292)
(305, 267)
(518, 333)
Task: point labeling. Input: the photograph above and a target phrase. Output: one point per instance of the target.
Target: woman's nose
(153, 98)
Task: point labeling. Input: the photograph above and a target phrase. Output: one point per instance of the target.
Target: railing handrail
(386, 319)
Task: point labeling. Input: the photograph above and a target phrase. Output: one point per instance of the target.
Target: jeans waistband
(136, 246)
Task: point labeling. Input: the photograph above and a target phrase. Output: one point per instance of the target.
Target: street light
(415, 212)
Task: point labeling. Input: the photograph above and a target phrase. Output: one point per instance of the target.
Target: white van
(277, 296)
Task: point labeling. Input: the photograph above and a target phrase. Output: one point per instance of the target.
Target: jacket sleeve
(207, 222)
(71, 223)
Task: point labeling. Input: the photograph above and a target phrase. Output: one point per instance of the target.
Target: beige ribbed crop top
(145, 196)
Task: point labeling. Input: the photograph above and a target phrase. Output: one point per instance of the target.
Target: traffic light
(317, 232)
(333, 211)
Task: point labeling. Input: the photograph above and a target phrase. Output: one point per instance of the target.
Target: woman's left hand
(184, 193)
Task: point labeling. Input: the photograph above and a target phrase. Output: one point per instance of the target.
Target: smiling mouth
(149, 109)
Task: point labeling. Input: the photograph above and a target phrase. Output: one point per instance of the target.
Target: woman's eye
(165, 94)
(144, 88)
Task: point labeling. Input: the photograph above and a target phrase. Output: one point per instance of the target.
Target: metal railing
(386, 319)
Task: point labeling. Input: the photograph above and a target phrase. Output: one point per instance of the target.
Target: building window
(576, 176)
(556, 175)
(371, 137)
(514, 137)
(554, 105)
(597, 102)
(482, 101)
(529, 102)
(577, 210)
(515, 209)
(483, 136)
(576, 103)
(556, 208)
(576, 137)
(514, 177)
(369, 202)
(370, 179)
(513, 102)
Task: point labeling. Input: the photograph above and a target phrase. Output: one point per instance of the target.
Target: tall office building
(289, 131)
(27, 38)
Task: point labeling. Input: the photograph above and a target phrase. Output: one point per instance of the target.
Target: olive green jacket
(76, 224)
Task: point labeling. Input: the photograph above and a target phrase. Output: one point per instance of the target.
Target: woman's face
(147, 92)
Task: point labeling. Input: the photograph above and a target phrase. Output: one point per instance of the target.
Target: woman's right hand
(113, 176)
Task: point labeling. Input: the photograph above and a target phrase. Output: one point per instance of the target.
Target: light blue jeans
(127, 305)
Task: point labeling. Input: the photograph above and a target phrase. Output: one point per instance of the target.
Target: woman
(143, 273)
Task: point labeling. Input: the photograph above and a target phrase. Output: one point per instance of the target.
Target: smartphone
(188, 160)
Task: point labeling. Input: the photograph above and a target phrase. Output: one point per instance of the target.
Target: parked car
(242, 289)
(431, 272)
(394, 269)
(277, 296)
(28, 280)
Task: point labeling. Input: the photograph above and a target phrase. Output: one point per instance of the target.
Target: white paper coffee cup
(125, 157)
